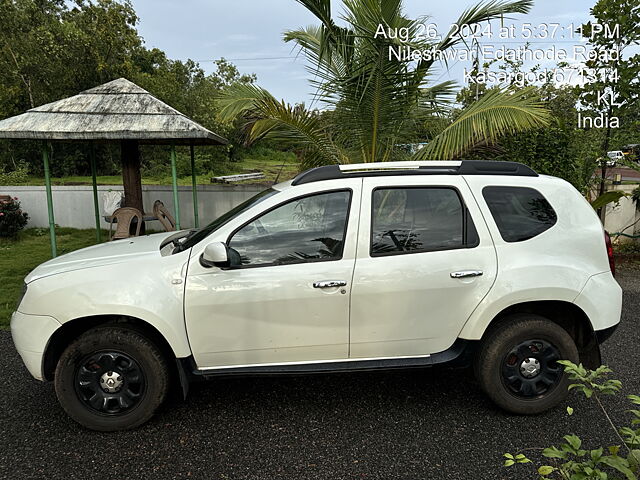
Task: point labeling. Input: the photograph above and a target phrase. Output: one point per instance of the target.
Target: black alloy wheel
(112, 377)
(530, 369)
(110, 382)
(517, 363)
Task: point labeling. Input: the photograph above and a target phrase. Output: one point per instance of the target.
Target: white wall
(622, 214)
(73, 205)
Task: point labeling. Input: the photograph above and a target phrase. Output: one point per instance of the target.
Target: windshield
(204, 232)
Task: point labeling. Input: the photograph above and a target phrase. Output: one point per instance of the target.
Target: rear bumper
(601, 301)
(31, 334)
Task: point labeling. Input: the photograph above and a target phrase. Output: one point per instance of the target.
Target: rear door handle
(330, 284)
(466, 273)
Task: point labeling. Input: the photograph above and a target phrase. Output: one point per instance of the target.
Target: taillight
(612, 262)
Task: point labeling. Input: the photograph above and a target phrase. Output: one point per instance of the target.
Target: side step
(457, 355)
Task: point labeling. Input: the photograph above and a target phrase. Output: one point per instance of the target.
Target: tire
(516, 364)
(111, 378)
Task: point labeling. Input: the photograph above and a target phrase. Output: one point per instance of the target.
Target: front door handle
(466, 273)
(330, 284)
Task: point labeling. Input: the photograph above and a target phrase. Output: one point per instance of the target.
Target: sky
(249, 33)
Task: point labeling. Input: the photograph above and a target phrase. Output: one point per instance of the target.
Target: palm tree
(373, 100)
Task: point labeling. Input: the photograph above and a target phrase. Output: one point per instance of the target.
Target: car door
(425, 261)
(287, 297)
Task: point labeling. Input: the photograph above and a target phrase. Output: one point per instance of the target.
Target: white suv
(350, 267)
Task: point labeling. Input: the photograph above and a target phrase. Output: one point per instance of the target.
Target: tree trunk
(605, 149)
(131, 177)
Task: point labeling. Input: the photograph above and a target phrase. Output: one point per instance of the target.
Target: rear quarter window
(520, 213)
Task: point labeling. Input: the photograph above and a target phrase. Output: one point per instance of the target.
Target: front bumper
(31, 334)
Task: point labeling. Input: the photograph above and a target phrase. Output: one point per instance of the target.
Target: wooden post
(47, 183)
(131, 177)
(194, 188)
(92, 154)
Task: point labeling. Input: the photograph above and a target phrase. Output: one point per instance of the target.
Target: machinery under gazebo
(117, 111)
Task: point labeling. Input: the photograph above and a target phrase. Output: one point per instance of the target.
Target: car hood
(125, 250)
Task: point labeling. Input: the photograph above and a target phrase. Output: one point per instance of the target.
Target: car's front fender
(151, 290)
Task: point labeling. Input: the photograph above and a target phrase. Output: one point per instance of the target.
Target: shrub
(573, 462)
(12, 218)
(15, 177)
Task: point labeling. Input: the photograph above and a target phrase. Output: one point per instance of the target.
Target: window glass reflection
(307, 229)
(419, 219)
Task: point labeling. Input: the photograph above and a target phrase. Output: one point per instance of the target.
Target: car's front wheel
(111, 378)
(517, 364)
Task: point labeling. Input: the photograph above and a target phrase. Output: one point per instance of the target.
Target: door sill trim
(453, 355)
(313, 363)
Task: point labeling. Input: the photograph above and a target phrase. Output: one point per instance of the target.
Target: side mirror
(215, 255)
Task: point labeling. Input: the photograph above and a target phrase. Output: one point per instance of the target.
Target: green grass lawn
(272, 169)
(31, 248)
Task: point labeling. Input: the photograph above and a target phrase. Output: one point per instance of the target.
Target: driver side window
(303, 230)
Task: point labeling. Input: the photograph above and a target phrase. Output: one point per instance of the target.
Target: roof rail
(464, 167)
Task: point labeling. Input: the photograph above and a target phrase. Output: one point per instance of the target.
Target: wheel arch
(567, 315)
(72, 329)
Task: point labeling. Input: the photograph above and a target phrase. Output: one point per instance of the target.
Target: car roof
(462, 167)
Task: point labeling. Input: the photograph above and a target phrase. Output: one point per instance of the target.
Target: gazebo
(117, 111)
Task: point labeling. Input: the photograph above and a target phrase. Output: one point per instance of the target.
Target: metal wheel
(517, 363)
(530, 369)
(110, 382)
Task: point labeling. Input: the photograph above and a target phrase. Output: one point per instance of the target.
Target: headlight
(22, 294)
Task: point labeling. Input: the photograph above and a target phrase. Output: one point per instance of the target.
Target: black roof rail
(466, 167)
(491, 167)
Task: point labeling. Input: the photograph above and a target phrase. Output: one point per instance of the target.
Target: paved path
(410, 425)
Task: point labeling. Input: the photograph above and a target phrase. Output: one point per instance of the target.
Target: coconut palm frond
(497, 113)
(266, 117)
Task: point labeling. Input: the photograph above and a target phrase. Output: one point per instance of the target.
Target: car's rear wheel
(517, 364)
(111, 378)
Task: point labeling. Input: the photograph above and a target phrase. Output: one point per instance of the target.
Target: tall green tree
(377, 100)
(51, 49)
(613, 89)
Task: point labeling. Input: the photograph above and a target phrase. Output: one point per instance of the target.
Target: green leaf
(634, 399)
(508, 463)
(546, 469)
(508, 455)
(619, 464)
(634, 460)
(613, 450)
(574, 441)
(570, 410)
(608, 197)
(554, 452)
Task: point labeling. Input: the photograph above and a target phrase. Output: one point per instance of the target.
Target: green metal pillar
(194, 188)
(92, 154)
(174, 177)
(47, 182)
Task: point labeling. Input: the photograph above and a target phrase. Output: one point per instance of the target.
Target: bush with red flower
(12, 218)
